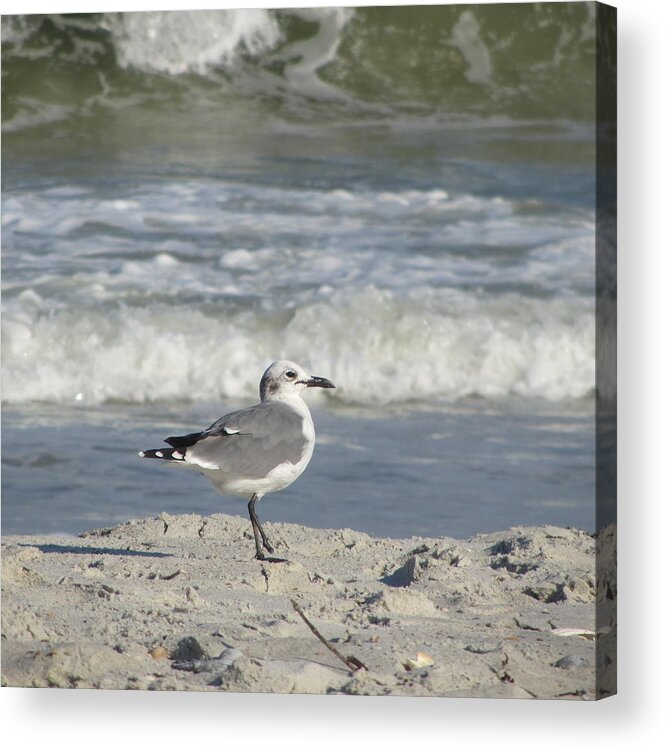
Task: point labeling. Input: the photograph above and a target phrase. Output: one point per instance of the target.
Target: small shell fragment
(422, 660)
(159, 652)
(589, 634)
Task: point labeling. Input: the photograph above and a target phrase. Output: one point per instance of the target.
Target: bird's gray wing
(251, 442)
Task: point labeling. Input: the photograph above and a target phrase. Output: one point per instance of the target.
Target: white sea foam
(178, 42)
(376, 348)
(184, 289)
(312, 54)
(33, 113)
(466, 36)
(397, 240)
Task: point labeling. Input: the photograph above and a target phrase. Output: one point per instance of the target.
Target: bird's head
(284, 379)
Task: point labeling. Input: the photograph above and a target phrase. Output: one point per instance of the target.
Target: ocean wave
(181, 42)
(531, 61)
(376, 347)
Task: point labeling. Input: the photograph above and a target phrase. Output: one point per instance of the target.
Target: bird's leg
(257, 530)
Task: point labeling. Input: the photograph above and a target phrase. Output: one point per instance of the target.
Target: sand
(179, 603)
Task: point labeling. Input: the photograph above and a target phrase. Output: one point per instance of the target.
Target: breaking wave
(529, 61)
(378, 349)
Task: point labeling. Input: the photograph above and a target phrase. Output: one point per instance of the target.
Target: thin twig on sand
(351, 661)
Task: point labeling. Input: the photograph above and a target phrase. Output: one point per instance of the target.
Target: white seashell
(422, 660)
(589, 634)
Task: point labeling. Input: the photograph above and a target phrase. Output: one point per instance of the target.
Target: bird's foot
(268, 546)
(264, 558)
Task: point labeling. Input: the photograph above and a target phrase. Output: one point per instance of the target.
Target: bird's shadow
(73, 549)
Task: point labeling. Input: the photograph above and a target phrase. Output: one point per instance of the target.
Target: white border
(71, 719)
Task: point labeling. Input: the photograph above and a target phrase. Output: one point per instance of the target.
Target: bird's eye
(290, 374)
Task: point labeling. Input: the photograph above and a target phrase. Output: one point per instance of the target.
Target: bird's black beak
(315, 382)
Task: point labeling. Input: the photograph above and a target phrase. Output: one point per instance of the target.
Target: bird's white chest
(284, 474)
(280, 476)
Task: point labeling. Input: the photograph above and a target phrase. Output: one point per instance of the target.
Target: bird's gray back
(249, 443)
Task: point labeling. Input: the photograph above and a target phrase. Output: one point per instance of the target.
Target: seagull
(257, 450)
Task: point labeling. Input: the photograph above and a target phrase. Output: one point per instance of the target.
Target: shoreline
(177, 602)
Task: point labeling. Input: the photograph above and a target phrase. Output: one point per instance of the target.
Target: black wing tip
(183, 441)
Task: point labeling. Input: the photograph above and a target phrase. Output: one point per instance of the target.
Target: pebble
(569, 661)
